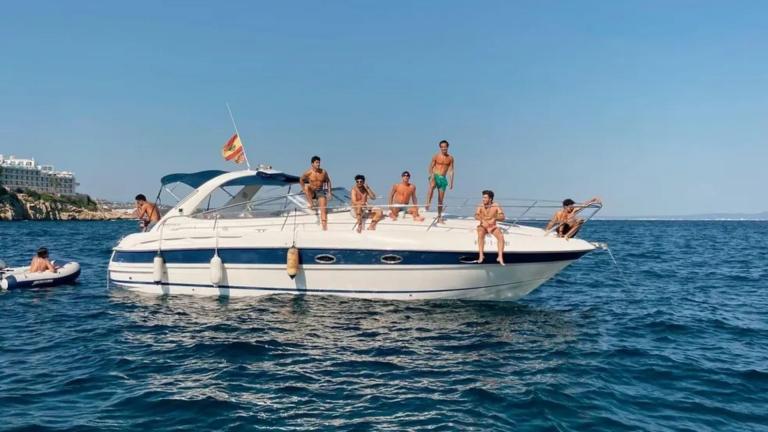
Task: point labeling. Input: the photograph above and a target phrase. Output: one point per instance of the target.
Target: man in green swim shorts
(440, 168)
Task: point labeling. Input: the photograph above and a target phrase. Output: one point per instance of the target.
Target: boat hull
(402, 282)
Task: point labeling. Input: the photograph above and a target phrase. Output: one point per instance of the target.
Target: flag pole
(245, 154)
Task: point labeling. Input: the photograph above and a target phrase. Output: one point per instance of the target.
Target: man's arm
(302, 179)
(392, 195)
(371, 193)
(586, 204)
(413, 195)
(551, 222)
(452, 170)
(478, 215)
(49, 266)
(431, 166)
(328, 182)
(499, 212)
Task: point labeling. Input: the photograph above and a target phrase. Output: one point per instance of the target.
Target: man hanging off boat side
(316, 184)
(146, 212)
(440, 168)
(360, 208)
(488, 213)
(565, 219)
(403, 193)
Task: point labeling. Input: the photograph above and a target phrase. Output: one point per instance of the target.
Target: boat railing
(290, 212)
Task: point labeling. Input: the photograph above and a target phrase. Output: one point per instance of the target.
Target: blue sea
(679, 343)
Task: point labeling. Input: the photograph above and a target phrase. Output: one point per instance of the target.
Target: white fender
(217, 270)
(292, 262)
(157, 269)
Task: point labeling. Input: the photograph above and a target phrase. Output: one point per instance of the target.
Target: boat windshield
(262, 201)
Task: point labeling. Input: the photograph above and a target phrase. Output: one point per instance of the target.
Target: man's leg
(440, 197)
(575, 227)
(359, 218)
(322, 202)
(500, 240)
(414, 211)
(481, 244)
(394, 212)
(431, 191)
(309, 192)
(376, 216)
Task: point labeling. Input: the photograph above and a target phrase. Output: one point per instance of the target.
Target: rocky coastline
(28, 205)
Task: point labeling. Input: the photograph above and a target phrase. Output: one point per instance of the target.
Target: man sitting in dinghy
(41, 263)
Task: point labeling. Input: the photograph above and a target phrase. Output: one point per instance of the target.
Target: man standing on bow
(440, 168)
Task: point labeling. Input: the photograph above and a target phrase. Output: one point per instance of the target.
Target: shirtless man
(316, 184)
(441, 166)
(40, 262)
(360, 208)
(488, 213)
(565, 219)
(403, 193)
(147, 212)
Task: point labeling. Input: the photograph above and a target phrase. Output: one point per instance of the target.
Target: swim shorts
(441, 182)
(317, 193)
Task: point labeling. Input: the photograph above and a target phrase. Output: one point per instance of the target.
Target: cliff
(29, 205)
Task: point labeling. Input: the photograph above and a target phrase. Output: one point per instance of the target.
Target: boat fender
(157, 269)
(217, 270)
(8, 282)
(292, 262)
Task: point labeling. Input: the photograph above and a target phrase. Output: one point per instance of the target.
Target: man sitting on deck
(316, 184)
(402, 193)
(565, 219)
(360, 207)
(488, 213)
(40, 262)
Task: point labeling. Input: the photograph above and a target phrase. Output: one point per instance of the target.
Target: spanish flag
(233, 150)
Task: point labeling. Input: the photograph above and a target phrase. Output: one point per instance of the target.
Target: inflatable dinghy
(19, 277)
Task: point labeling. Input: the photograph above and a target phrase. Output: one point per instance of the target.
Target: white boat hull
(469, 281)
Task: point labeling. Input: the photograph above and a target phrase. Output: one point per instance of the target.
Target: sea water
(682, 345)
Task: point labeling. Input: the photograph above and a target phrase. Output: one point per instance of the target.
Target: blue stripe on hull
(360, 257)
(314, 290)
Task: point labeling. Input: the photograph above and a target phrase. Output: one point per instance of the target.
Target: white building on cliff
(26, 174)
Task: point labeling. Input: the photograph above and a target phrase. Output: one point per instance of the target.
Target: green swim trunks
(440, 181)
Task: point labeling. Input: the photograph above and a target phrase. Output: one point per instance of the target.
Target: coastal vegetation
(25, 204)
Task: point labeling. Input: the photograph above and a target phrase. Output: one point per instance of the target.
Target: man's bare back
(149, 212)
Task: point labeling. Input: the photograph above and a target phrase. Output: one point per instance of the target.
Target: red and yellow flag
(233, 150)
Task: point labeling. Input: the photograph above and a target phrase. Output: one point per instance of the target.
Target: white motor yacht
(264, 239)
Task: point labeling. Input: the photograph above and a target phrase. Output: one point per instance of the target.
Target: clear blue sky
(658, 107)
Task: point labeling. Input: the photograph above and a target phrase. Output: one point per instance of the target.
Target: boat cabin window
(262, 201)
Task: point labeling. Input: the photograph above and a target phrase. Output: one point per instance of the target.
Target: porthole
(391, 259)
(468, 260)
(325, 259)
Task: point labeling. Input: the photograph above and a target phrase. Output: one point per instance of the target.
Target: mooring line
(604, 246)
